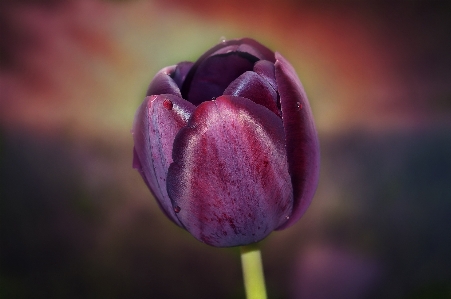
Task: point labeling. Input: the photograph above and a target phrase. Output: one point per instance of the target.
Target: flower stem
(254, 280)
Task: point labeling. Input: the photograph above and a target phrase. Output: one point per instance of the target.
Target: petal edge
(302, 138)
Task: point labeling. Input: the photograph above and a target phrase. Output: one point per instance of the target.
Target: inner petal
(256, 88)
(215, 73)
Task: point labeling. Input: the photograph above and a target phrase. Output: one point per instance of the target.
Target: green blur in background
(76, 221)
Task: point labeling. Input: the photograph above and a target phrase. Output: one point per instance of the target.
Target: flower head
(227, 145)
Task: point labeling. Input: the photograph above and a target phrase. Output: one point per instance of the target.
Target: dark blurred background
(76, 221)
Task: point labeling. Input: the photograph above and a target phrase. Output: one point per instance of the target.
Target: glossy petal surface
(229, 180)
(302, 139)
(254, 87)
(157, 121)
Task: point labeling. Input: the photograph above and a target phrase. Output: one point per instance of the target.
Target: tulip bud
(227, 145)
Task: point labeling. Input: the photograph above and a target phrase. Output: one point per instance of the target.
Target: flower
(227, 145)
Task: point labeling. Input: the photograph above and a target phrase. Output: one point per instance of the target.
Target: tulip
(227, 145)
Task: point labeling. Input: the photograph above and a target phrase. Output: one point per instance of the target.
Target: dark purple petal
(162, 83)
(180, 72)
(266, 69)
(257, 89)
(215, 73)
(238, 54)
(157, 121)
(229, 180)
(301, 135)
(266, 54)
(240, 48)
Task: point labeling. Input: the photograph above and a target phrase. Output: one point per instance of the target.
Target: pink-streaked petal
(157, 121)
(229, 180)
(254, 87)
(267, 70)
(162, 83)
(302, 139)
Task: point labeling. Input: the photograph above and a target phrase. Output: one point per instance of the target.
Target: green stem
(254, 280)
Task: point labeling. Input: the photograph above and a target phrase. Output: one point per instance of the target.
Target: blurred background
(76, 221)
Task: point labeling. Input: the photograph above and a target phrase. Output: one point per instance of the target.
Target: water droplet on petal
(299, 105)
(287, 217)
(222, 39)
(177, 209)
(167, 104)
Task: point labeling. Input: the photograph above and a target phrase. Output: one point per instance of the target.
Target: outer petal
(228, 60)
(302, 138)
(157, 121)
(265, 53)
(240, 48)
(256, 88)
(229, 180)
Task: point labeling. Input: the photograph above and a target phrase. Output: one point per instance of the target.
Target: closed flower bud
(227, 145)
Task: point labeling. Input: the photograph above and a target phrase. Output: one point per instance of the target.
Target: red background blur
(76, 221)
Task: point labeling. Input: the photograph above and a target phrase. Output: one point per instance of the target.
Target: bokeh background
(76, 221)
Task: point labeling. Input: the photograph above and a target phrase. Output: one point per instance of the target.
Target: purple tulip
(228, 145)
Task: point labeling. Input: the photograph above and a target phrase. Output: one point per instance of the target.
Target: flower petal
(229, 180)
(219, 66)
(266, 69)
(180, 72)
(301, 135)
(266, 54)
(257, 89)
(157, 121)
(215, 73)
(240, 48)
(162, 83)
